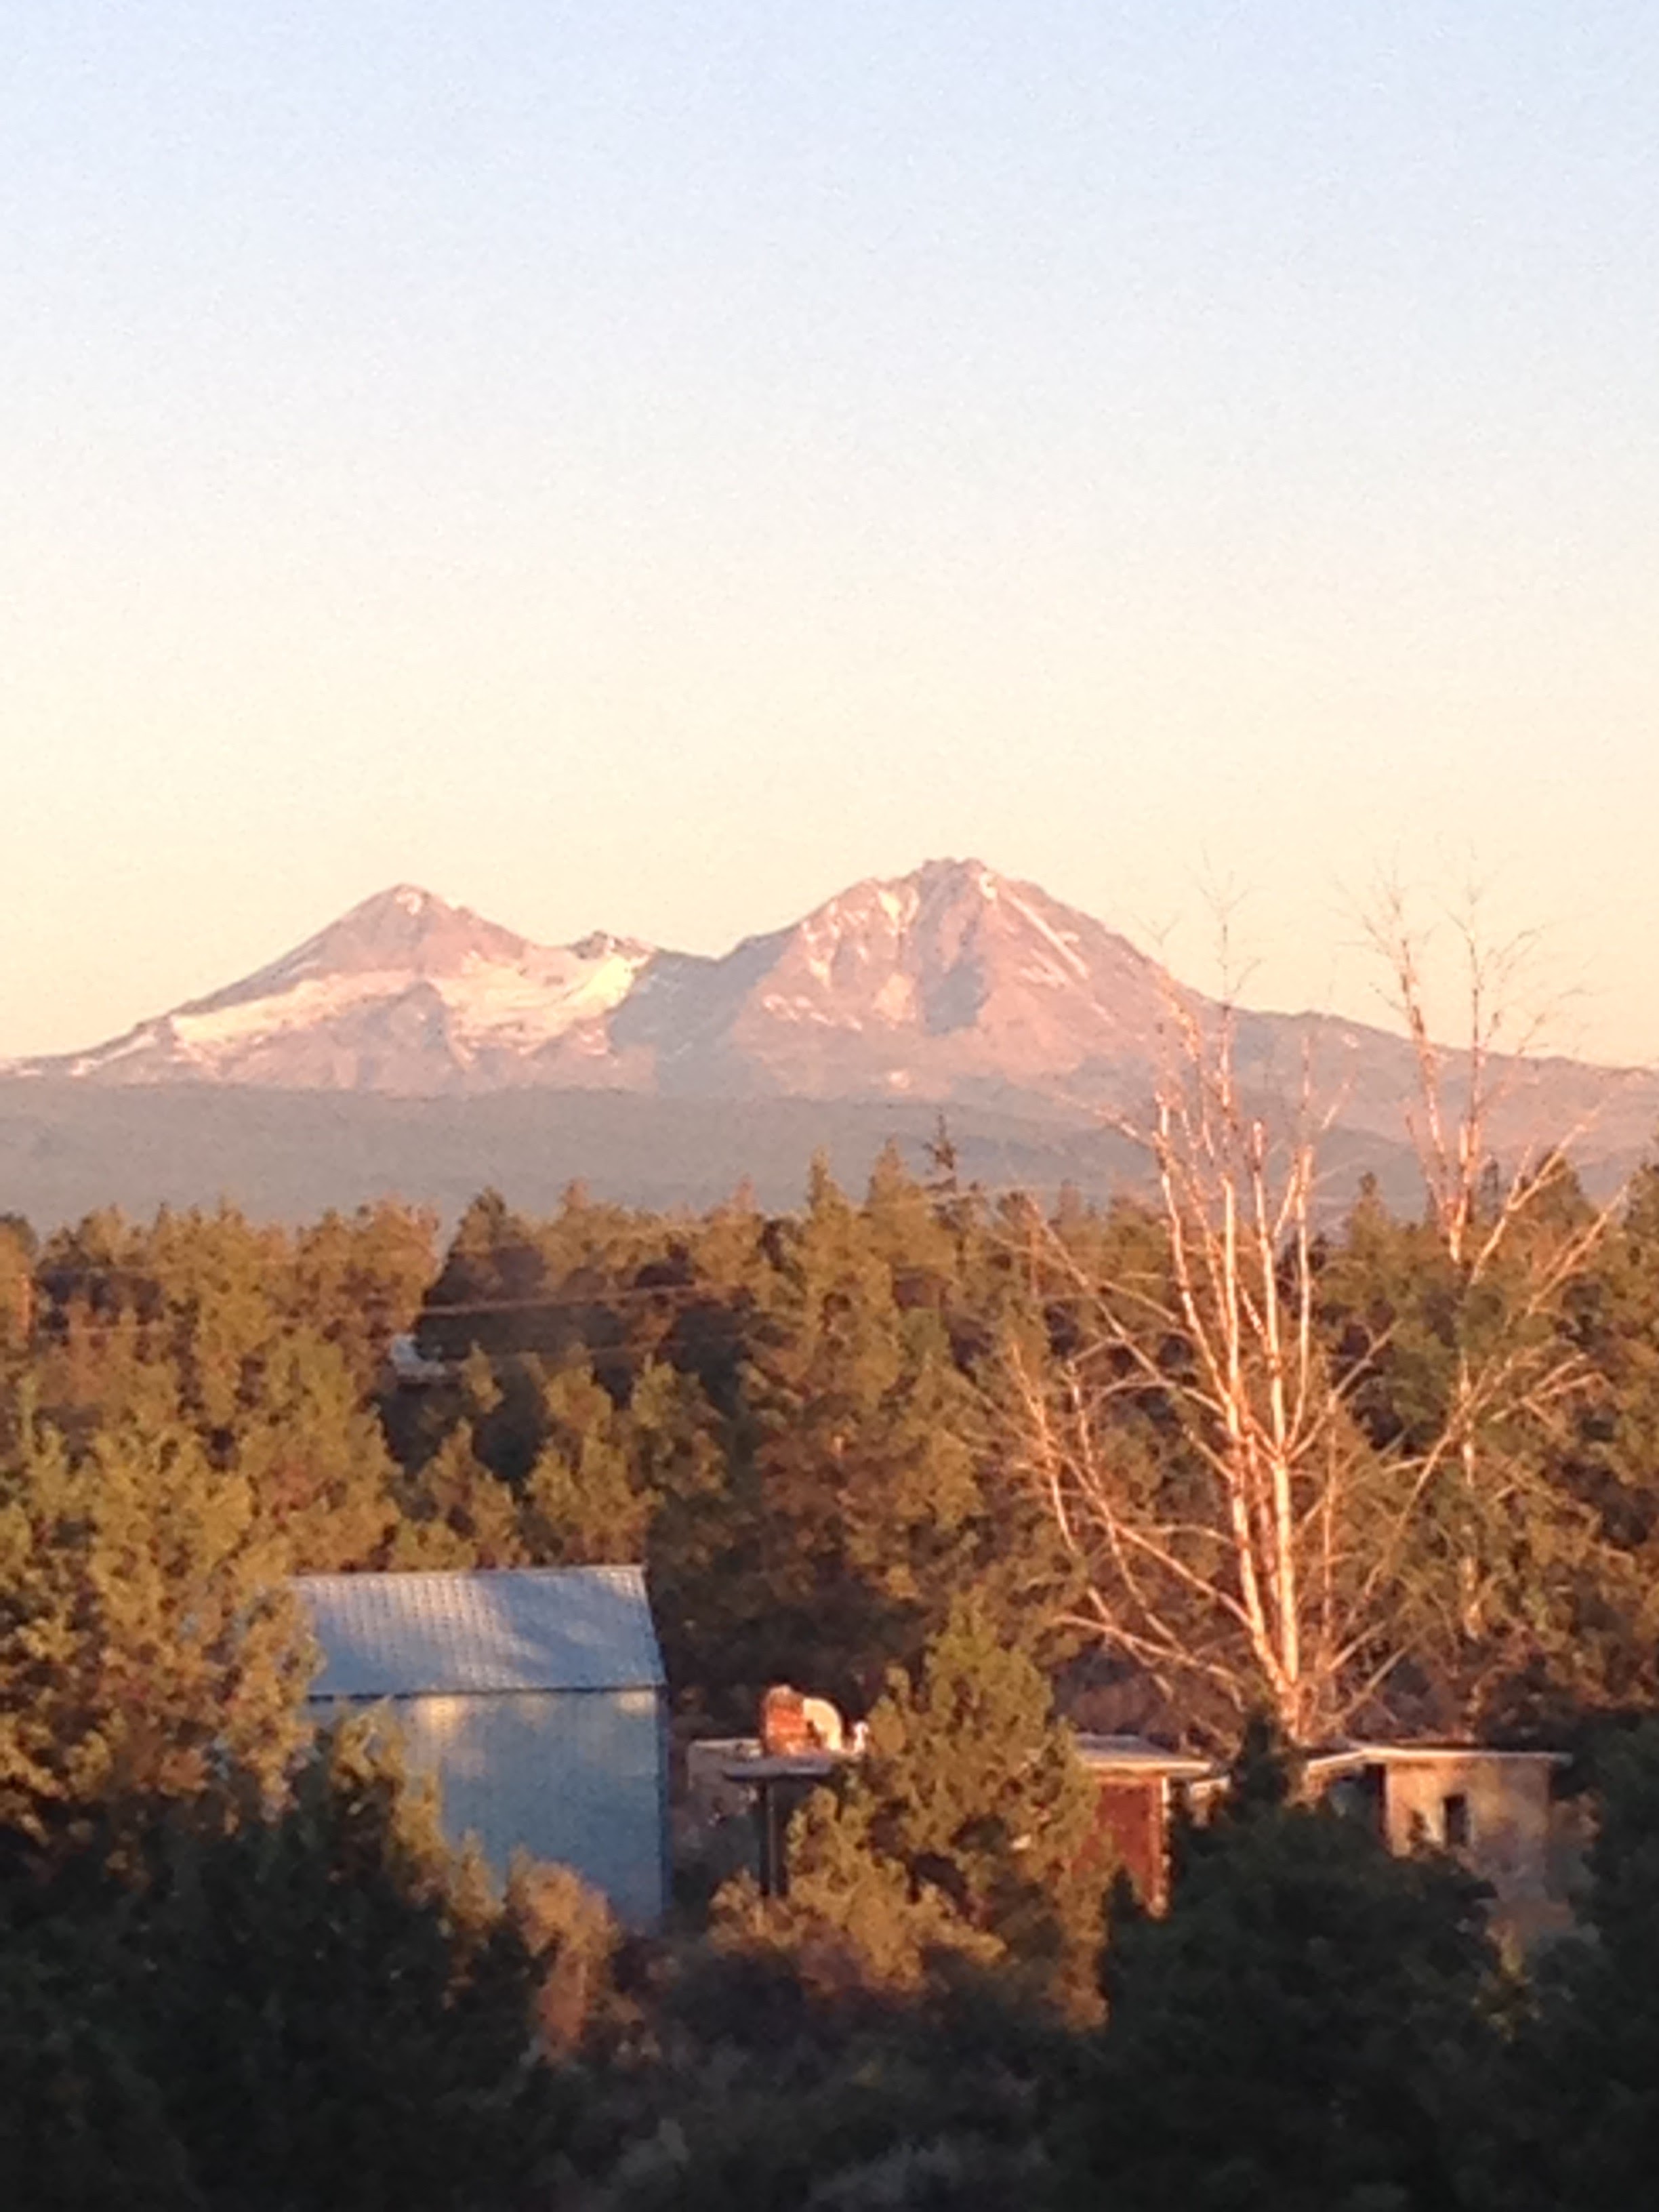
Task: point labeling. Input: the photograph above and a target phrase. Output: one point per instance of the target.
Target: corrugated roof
(501, 1628)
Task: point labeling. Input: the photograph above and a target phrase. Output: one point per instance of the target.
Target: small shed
(1136, 1784)
(535, 1695)
(1494, 1809)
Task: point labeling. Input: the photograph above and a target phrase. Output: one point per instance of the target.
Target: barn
(535, 1695)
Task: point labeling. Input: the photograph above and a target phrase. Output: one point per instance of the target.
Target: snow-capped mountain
(405, 994)
(951, 984)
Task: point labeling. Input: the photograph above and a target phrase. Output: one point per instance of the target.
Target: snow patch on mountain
(515, 1006)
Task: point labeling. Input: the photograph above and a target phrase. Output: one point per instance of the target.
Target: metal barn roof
(492, 1629)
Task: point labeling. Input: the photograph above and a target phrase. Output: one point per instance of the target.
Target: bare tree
(1235, 1526)
(1481, 1206)
(1461, 1090)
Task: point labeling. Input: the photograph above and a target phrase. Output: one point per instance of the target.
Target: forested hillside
(953, 1459)
(816, 1427)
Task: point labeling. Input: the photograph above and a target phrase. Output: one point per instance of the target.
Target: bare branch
(1256, 1540)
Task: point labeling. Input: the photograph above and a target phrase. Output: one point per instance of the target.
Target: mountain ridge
(909, 986)
(953, 985)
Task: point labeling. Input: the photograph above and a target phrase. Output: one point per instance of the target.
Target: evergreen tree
(1579, 2127)
(579, 1504)
(1303, 2028)
(684, 1471)
(345, 2019)
(314, 1459)
(456, 1513)
(488, 1291)
(359, 1281)
(317, 2004)
(147, 1646)
(18, 1247)
(857, 1503)
(83, 2127)
(963, 1830)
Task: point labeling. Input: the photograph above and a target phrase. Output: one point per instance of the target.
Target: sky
(648, 467)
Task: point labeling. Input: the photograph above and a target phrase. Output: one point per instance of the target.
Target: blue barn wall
(572, 1775)
(533, 1696)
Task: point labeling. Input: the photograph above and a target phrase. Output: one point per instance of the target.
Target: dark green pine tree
(487, 1290)
(579, 1504)
(1303, 2031)
(149, 1648)
(456, 1513)
(314, 1458)
(855, 1489)
(18, 1247)
(1579, 2122)
(963, 1831)
(83, 2127)
(336, 2011)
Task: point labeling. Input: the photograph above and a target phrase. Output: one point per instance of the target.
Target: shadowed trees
(1310, 2027)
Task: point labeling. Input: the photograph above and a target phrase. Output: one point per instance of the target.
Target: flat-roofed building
(1495, 1809)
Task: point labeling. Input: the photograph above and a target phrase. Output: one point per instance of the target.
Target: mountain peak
(934, 876)
(963, 898)
(407, 898)
(405, 927)
(892, 902)
(971, 874)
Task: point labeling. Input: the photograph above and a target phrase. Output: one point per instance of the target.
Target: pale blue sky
(649, 465)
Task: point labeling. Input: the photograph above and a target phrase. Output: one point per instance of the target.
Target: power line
(737, 1301)
(563, 1300)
